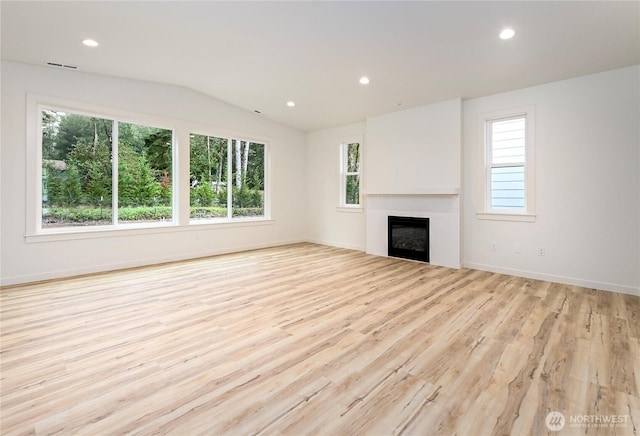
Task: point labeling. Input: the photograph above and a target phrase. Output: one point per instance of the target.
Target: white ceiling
(259, 55)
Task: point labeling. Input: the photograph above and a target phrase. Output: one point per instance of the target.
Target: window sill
(350, 209)
(223, 223)
(70, 234)
(501, 216)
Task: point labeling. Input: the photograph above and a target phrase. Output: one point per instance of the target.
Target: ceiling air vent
(56, 64)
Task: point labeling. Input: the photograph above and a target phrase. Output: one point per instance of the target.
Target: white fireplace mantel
(419, 191)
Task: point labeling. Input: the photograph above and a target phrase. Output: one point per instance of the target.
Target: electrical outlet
(494, 247)
(517, 248)
(541, 251)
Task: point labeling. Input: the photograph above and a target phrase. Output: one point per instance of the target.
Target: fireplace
(408, 238)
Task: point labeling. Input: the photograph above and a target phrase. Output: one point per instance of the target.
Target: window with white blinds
(508, 185)
(507, 160)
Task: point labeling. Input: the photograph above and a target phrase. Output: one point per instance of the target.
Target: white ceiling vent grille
(59, 65)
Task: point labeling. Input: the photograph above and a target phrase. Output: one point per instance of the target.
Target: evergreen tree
(158, 148)
(50, 125)
(71, 187)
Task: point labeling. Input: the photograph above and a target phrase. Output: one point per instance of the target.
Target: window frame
(230, 136)
(485, 165)
(343, 145)
(35, 106)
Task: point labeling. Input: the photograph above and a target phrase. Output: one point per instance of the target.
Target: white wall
(21, 261)
(414, 150)
(326, 222)
(587, 184)
(587, 134)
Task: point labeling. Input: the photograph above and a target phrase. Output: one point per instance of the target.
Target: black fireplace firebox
(409, 238)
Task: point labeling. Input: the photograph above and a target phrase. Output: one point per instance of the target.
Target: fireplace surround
(442, 209)
(408, 237)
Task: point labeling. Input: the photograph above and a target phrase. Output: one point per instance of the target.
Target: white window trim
(133, 229)
(34, 233)
(355, 208)
(35, 104)
(343, 143)
(483, 193)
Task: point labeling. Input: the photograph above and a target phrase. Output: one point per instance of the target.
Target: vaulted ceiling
(259, 55)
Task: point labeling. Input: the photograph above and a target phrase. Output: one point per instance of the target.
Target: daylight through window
(227, 178)
(506, 140)
(82, 183)
(350, 180)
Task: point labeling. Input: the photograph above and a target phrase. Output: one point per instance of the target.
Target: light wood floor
(308, 339)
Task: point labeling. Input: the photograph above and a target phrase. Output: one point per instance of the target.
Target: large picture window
(99, 171)
(227, 178)
(95, 171)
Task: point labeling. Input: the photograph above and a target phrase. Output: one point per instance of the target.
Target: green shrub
(208, 212)
(75, 215)
(89, 214)
(202, 195)
(248, 211)
(151, 213)
(84, 215)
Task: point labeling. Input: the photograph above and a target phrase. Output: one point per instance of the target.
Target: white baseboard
(337, 244)
(16, 280)
(611, 287)
(31, 278)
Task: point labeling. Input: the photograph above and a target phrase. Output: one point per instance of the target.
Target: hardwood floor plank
(309, 339)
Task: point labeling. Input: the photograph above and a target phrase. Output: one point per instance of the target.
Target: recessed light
(364, 80)
(507, 33)
(90, 43)
(290, 103)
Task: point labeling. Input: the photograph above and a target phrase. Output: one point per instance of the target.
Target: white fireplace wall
(413, 167)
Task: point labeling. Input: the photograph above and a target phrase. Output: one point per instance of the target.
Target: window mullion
(114, 173)
(229, 178)
(343, 171)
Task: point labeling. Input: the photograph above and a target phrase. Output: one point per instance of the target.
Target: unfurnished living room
(320, 217)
